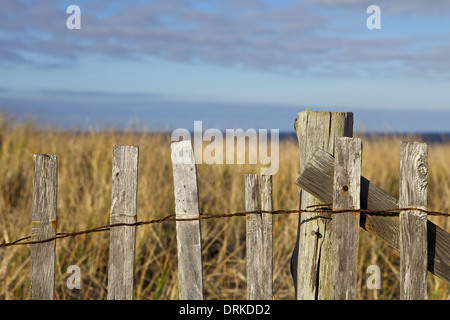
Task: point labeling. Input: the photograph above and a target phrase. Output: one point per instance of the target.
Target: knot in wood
(422, 171)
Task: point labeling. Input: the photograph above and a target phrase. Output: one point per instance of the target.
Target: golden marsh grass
(84, 188)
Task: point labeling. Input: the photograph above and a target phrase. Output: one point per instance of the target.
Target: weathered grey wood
(123, 210)
(43, 226)
(413, 223)
(259, 238)
(311, 258)
(345, 239)
(267, 237)
(190, 269)
(254, 244)
(317, 179)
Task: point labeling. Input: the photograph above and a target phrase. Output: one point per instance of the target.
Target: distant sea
(429, 126)
(424, 137)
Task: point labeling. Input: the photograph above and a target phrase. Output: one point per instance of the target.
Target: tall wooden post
(267, 236)
(259, 238)
(345, 241)
(253, 238)
(45, 190)
(312, 254)
(123, 210)
(413, 223)
(189, 239)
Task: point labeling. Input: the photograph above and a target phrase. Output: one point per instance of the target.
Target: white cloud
(415, 8)
(298, 37)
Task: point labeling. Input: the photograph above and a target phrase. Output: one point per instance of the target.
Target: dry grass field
(84, 191)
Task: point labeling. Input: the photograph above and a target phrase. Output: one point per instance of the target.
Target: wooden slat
(311, 258)
(345, 235)
(253, 238)
(45, 190)
(267, 237)
(123, 210)
(413, 224)
(317, 179)
(190, 270)
(259, 238)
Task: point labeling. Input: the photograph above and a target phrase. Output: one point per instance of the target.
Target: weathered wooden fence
(325, 259)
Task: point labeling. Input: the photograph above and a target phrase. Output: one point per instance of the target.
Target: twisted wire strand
(322, 208)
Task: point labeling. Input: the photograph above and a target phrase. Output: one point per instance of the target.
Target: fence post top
(37, 155)
(124, 146)
(182, 153)
(309, 111)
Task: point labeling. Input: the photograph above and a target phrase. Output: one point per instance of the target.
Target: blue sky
(162, 64)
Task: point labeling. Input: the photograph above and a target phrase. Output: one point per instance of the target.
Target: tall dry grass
(84, 186)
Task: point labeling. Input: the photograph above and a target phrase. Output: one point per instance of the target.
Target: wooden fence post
(345, 240)
(253, 238)
(43, 226)
(190, 269)
(311, 258)
(259, 237)
(123, 210)
(413, 223)
(267, 237)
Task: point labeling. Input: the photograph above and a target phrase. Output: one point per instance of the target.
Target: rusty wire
(322, 208)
